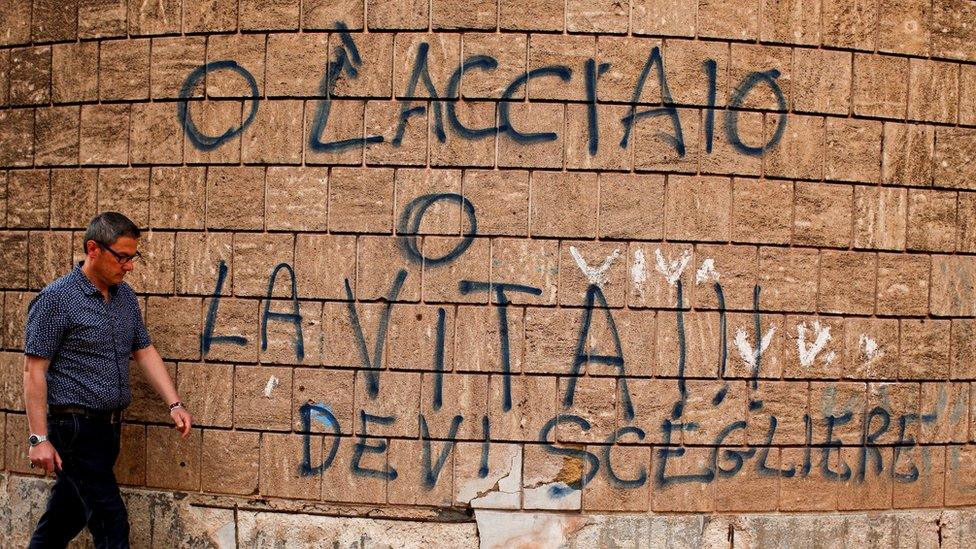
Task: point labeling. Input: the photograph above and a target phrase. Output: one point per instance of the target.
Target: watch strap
(34, 440)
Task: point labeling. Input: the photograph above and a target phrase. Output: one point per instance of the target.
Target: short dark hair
(107, 227)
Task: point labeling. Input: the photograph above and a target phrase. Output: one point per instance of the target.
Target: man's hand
(182, 420)
(45, 456)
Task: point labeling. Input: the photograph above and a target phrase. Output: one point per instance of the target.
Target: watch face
(33, 440)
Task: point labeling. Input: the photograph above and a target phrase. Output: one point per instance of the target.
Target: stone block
(563, 204)
(209, 15)
(955, 158)
(207, 392)
(800, 153)
(552, 50)
(375, 78)
(792, 22)
(30, 75)
(933, 91)
(329, 389)
(787, 278)
(130, 467)
(380, 261)
(173, 462)
(361, 200)
(822, 81)
(174, 326)
(50, 257)
(533, 404)
(544, 121)
(123, 69)
(880, 216)
(954, 35)
(500, 488)
(104, 134)
(672, 18)
(536, 15)
(924, 349)
(953, 290)
(56, 135)
(154, 18)
(417, 334)
(510, 50)
(234, 317)
(757, 205)
(28, 194)
(625, 491)
(849, 24)
(903, 284)
(501, 200)
(738, 20)
(398, 398)
(853, 150)
(296, 64)
(275, 15)
(17, 137)
(931, 220)
(822, 214)
(478, 333)
(879, 86)
(323, 263)
(819, 344)
(198, 257)
(872, 348)
(323, 14)
(235, 197)
(125, 190)
(173, 59)
(230, 462)
(262, 398)
(281, 456)
(905, 27)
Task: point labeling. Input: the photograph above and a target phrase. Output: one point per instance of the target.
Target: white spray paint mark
(706, 271)
(672, 269)
(638, 271)
(272, 383)
(595, 275)
(749, 355)
(870, 348)
(821, 336)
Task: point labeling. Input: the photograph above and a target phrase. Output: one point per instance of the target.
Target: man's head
(111, 243)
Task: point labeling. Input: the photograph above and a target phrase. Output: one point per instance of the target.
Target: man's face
(112, 267)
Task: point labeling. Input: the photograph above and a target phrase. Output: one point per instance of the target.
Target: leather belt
(110, 416)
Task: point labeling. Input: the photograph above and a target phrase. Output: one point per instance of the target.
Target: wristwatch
(34, 440)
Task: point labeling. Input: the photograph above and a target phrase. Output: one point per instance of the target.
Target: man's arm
(35, 401)
(154, 371)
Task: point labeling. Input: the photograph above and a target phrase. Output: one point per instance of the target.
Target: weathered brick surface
(663, 256)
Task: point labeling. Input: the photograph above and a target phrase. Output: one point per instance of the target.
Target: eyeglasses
(121, 258)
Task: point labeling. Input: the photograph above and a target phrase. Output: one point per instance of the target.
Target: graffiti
(442, 104)
(820, 455)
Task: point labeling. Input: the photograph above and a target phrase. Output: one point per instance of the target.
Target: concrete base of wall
(167, 519)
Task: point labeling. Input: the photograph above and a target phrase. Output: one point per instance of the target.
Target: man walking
(81, 331)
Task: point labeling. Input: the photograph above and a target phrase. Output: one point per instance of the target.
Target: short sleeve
(46, 326)
(140, 337)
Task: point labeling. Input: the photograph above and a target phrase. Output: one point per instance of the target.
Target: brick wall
(598, 256)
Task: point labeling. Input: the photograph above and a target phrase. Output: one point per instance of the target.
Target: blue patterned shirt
(88, 340)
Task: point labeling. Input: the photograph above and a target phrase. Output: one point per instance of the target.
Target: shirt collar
(85, 284)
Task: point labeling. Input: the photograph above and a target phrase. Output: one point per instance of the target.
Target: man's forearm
(155, 372)
(35, 400)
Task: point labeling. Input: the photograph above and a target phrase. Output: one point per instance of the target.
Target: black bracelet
(175, 405)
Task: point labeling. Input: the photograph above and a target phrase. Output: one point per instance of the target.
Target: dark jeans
(85, 492)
